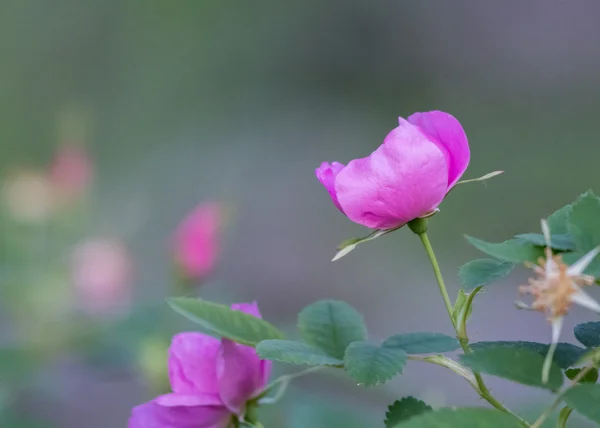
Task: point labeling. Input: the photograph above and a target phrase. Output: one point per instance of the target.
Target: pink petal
(249, 308)
(240, 374)
(405, 178)
(192, 363)
(180, 411)
(444, 130)
(326, 174)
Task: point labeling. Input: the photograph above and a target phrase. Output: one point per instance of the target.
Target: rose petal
(192, 363)
(180, 411)
(249, 308)
(446, 131)
(326, 174)
(240, 374)
(405, 178)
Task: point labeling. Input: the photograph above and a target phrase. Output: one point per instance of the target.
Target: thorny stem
(480, 387)
(559, 397)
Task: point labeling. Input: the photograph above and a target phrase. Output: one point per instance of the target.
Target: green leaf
(520, 365)
(561, 242)
(287, 351)
(558, 220)
(588, 334)
(584, 399)
(462, 418)
(584, 224)
(371, 365)
(331, 325)
(565, 355)
(403, 410)
(350, 244)
(422, 343)
(483, 272)
(226, 322)
(513, 250)
(590, 377)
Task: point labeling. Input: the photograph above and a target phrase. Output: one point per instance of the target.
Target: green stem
(438, 275)
(482, 389)
(563, 417)
(559, 397)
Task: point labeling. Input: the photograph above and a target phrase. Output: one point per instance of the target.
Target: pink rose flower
(407, 177)
(211, 380)
(196, 241)
(102, 274)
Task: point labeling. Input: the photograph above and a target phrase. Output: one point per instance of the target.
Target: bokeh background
(177, 103)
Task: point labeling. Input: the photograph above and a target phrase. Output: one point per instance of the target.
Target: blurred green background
(238, 101)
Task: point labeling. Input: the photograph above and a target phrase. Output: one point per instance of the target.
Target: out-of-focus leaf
(513, 250)
(403, 410)
(422, 343)
(483, 272)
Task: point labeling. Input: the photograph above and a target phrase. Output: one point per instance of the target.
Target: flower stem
(559, 397)
(481, 387)
(438, 275)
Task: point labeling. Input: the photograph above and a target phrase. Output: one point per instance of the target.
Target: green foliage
(593, 268)
(371, 365)
(565, 356)
(583, 223)
(562, 242)
(350, 245)
(331, 326)
(513, 250)
(590, 377)
(584, 399)
(403, 410)
(483, 272)
(287, 351)
(588, 334)
(224, 321)
(17, 364)
(558, 220)
(461, 299)
(520, 365)
(461, 418)
(422, 343)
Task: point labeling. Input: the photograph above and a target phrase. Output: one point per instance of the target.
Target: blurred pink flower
(211, 379)
(196, 241)
(101, 272)
(71, 171)
(407, 177)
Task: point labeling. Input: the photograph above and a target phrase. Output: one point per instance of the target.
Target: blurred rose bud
(101, 272)
(28, 197)
(71, 172)
(197, 241)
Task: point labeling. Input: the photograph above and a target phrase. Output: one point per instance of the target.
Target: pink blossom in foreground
(101, 272)
(71, 171)
(211, 380)
(407, 177)
(197, 241)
